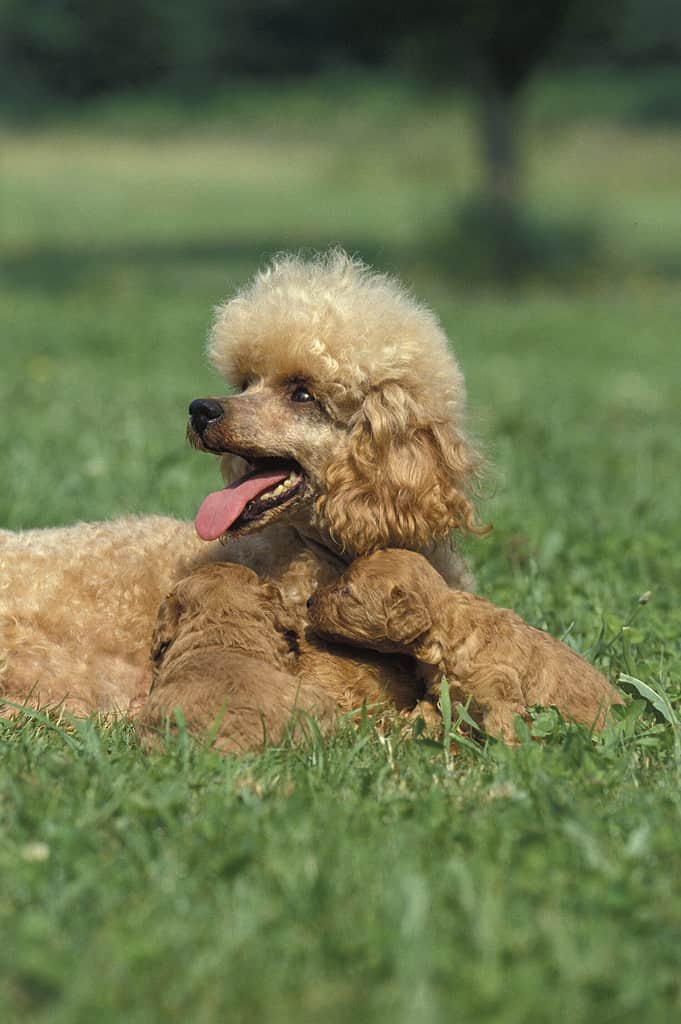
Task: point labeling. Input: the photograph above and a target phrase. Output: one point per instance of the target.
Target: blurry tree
(497, 46)
(77, 48)
(70, 50)
(492, 46)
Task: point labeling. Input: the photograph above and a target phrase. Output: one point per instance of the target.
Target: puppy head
(348, 416)
(381, 602)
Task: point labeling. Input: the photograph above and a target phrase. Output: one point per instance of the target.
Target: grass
(360, 879)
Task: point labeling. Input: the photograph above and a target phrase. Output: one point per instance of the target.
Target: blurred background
(492, 140)
(518, 165)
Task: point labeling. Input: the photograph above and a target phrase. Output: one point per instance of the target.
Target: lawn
(363, 879)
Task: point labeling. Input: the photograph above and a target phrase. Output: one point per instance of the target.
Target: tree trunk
(500, 148)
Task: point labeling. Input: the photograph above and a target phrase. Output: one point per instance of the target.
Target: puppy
(394, 600)
(223, 653)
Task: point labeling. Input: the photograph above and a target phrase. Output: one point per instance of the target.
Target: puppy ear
(402, 478)
(165, 629)
(285, 621)
(408, 618)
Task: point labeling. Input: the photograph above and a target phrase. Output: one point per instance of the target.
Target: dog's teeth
(281, 488)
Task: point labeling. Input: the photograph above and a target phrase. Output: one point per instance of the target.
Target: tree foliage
(71, 49)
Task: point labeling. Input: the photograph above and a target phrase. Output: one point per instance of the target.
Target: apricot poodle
(395, 601)
(343, 432)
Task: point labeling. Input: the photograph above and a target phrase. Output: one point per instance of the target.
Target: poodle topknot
(349, 328)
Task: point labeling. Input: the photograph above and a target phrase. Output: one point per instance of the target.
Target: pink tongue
(219, 510)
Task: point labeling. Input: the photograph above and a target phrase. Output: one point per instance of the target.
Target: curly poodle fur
(347, 384)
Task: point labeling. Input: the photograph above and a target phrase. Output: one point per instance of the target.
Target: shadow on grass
(480, 245)
(59, 268)
(490, 242)
(504, 243)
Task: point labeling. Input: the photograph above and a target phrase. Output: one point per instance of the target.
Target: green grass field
(362, 879)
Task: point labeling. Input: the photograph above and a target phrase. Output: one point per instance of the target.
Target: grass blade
(659, 701)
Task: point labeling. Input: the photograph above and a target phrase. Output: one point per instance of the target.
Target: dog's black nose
(204, 411)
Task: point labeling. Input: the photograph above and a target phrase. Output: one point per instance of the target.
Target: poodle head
(381, 602)
(349, 411)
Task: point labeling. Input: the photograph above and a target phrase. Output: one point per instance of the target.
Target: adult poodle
(343, 433)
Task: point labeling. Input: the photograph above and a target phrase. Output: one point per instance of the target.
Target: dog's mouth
(268, 484)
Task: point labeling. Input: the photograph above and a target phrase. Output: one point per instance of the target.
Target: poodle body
(76, 609)
(226, 652)
(395, 601)
(343, 432)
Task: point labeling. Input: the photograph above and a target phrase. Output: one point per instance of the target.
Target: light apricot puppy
(394, 600)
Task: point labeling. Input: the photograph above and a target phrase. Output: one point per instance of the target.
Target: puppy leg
(497, 691)
(427, 711)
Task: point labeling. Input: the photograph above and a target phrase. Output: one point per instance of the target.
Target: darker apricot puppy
(394, 600)
(223, 652)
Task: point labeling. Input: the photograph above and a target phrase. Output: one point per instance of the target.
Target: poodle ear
(408, 618)
(401, 479)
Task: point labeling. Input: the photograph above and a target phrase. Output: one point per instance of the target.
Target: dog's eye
(301, 394)
(245, 384)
